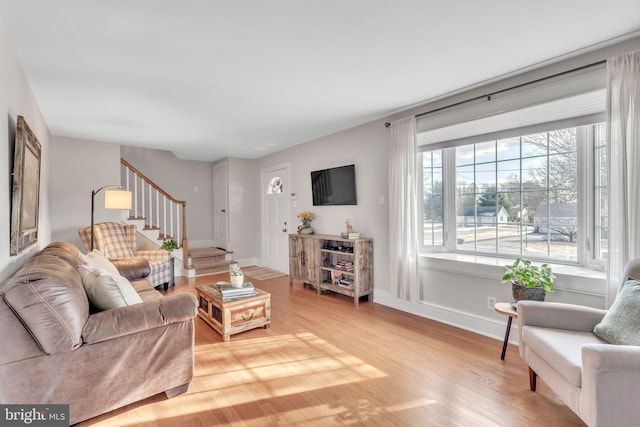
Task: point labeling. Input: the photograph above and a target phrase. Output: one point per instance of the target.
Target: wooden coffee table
(232, 317)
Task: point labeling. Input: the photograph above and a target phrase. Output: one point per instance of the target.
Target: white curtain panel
(623, 121)
(403, 210)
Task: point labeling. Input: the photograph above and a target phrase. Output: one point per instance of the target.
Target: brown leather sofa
(54, 348)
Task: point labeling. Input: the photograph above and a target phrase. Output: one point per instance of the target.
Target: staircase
(210, 260)
(159, 217)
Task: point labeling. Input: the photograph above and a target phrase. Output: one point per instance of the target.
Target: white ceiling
(208, 79)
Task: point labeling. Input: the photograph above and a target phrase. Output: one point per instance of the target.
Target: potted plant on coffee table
(236, 275)
(529, 281)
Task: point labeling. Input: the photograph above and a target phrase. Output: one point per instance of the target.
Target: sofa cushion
(561, 348)
(65, 251)
(96, 259)
(23, 346)
(145, 290)
(621, 324)
(47, 295)
(110, 237)
(107, 290)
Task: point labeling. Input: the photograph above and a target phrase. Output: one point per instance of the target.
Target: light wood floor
(323, 362)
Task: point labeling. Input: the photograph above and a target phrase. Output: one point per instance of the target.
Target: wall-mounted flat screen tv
(335, 186)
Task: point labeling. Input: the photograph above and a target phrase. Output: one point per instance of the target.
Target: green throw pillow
(621, 324)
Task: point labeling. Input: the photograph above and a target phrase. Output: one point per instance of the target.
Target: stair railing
(159, 209)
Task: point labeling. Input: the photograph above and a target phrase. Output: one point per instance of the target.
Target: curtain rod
(489, 95)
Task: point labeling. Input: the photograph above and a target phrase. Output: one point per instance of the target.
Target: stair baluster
(150, 210)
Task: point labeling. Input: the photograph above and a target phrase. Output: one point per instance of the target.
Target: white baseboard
(248, 261)
(488, 327)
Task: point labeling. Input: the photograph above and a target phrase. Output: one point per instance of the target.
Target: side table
(505, 309)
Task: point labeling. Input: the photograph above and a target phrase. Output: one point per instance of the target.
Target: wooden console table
(331, 263)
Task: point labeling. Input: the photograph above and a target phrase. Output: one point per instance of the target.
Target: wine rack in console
(331, 263)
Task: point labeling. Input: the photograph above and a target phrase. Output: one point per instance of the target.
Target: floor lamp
(113, 199)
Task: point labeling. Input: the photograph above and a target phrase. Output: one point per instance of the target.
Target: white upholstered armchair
(598, 380)
(118, 241)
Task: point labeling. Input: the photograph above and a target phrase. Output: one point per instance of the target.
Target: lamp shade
(117, 199)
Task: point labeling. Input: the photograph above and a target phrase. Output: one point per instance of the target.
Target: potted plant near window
(528, 281)
(236, 275)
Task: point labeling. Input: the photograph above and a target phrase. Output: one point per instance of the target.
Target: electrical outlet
(491, 302)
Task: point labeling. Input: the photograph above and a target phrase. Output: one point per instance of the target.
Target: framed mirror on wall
(26, 188)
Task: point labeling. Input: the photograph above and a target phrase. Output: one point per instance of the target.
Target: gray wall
(365, 146)
(187, 180)
(80, 166)
(16, 99)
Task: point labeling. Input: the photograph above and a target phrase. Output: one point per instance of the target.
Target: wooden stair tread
(209, 264)
(207, 252)
(213, 270)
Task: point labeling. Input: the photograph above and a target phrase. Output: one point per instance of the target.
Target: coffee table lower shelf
(232, 317)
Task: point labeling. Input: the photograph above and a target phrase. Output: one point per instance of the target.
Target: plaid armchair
(118, 241)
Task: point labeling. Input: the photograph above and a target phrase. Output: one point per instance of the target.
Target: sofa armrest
(558, 315)
(610, 384)
(611, 357)
(132, 268)
(154, 255)
(131, 319)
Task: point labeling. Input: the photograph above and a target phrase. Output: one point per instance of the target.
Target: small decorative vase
(237, 281)
(305, 229)
(523, 293)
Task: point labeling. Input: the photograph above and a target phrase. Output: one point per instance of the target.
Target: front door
(276, 213)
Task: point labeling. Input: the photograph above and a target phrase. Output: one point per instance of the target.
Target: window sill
(568, 277)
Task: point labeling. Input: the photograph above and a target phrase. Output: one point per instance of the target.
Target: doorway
(220, 201)
(276, 216)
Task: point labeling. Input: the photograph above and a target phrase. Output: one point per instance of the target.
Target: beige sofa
(56, 349)
(599, 381)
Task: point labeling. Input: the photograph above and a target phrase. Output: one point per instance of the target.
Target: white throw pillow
(106, 290)
(96, 259)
